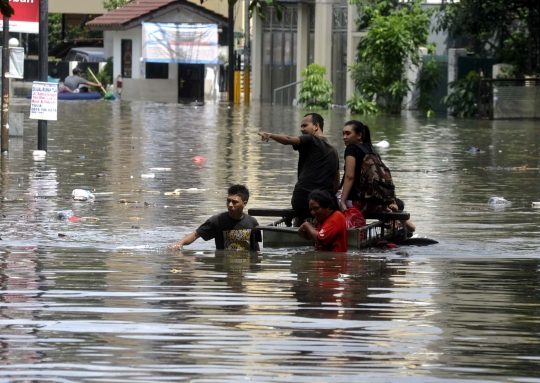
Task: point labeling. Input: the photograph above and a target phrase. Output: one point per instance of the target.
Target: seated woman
(331, 231)
(357, 140)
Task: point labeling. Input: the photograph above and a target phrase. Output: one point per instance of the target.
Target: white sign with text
(44, 104)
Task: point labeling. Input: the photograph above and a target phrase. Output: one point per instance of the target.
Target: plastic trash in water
(382, 144)
(536, 204)
(149, 175)
(82, 195)
(473, 150)
(198, 160)
(190, 190)
(499, 201)
(67, 215)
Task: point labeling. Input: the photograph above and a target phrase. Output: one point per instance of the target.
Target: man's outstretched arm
(187, 240)
(281, 138)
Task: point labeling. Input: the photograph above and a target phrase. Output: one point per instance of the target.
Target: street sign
(26, 16)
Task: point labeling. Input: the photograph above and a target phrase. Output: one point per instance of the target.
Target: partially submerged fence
(509, 98)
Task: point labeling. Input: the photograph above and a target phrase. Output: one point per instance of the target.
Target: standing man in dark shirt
(318, 164)
(231, 230)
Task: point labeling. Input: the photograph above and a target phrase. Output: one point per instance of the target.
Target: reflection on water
(105, 302)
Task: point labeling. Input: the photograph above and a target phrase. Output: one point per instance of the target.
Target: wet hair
(240, 190)
(400, 204)
(316, 119)
(360, 128)
(77, 70)
(324, 198)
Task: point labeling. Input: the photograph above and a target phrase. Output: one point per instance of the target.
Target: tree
(254, 6)
(111, 5)
(505, 29)
(392, 43)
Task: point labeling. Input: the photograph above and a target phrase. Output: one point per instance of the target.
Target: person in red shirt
(331, 231)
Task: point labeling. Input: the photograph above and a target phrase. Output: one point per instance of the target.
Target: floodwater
(102, 300)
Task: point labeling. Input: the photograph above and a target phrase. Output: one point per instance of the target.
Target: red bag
(354, 218)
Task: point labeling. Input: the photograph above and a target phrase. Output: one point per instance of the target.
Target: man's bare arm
(281, 138)
(187, 240)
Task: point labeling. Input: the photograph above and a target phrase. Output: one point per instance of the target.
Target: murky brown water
(105, 302)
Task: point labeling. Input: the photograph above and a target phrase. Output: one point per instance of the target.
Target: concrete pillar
(173, 71)
(323, 35)
(256, 57)
(353, 38)
(302, 43)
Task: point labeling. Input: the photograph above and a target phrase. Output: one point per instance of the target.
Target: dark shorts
(300, 205)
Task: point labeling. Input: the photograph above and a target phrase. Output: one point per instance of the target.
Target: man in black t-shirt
(231, 230)
(318, 164)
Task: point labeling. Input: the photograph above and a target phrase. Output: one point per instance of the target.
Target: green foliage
(105, 76)
(390, 45)
(367, 9)
(507, 72)
(257, 6)
(507, 30)
(428, 83)
(111, 5)
(463, 100)
(358, 104)
(254, 6)
(315, 91)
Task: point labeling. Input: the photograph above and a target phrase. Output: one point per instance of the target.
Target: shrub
(315, 91)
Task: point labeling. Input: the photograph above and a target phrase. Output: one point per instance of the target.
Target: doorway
(190, 82)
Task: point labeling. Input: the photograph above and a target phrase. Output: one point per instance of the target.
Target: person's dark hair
(360, 128)
(316, 119)
(400, 204)
(77, 70)
(324, 198)
(240, 190)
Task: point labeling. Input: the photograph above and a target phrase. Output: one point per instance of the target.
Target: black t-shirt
(355, 150)
(229, 233)
(317, 164)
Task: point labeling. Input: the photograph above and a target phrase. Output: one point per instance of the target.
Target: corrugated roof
(129, 12)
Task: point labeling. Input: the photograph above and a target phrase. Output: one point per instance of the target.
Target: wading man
(231, 230)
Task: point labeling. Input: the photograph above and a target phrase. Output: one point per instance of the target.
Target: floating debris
(82, 195)
(160, 169)
(179, 191)
(382, 144)
(198, 160)
(498, 201)
(473, 150)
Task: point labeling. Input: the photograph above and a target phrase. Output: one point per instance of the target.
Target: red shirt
(333, 233)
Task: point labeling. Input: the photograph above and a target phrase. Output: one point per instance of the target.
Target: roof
(139, 11)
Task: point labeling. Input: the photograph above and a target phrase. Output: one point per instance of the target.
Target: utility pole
(5, 86)
(230, 73)
(43, 64)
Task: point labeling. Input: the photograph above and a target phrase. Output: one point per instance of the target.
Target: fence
(509, 98)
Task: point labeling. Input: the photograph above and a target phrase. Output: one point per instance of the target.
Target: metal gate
(442, 90)
(279, 53)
